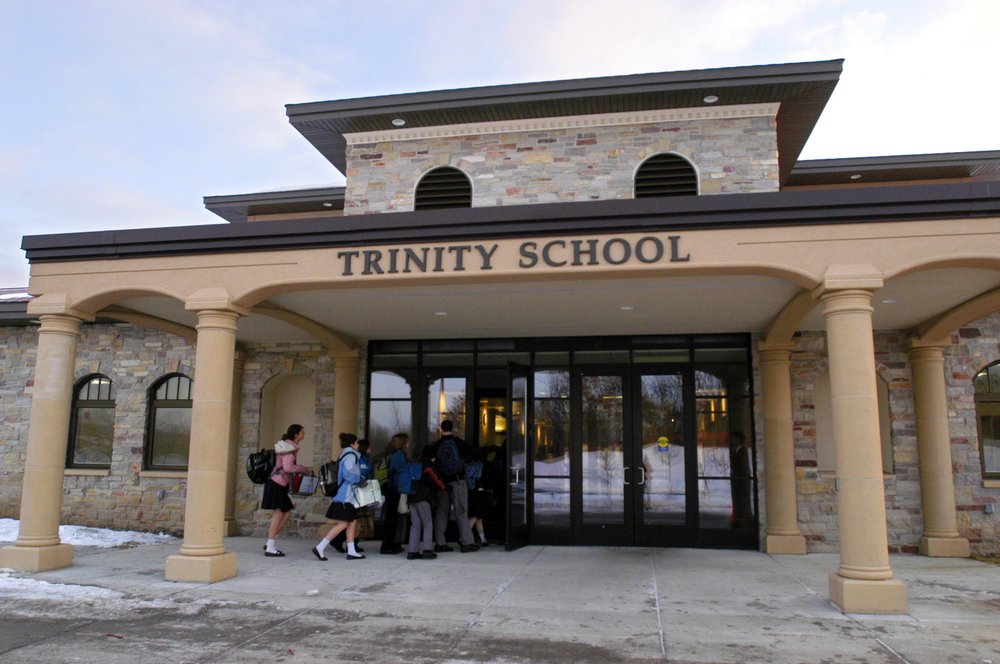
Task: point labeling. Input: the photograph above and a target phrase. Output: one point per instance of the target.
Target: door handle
(517, 476)
(642, 477)
(625, 475)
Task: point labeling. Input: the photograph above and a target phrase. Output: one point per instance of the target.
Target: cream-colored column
(863, 583)
(345, 396)
(783, 535)
(232, 461)
(38, 547)
(203, 558)
(937, 488)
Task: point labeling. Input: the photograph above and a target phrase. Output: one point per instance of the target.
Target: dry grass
(993, 559)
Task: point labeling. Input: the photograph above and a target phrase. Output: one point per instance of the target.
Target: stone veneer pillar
(783, 535)
(345, 396)
(203, 558)
(232, 463)
(863, 583)
(937, 488)
(38, 547)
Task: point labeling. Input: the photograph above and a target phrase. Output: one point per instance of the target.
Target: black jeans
(390, 519)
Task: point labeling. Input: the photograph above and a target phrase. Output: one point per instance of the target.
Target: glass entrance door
(606, 479)
(518, 431)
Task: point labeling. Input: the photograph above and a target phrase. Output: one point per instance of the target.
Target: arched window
(168, 435)
(443, 187)
(91, 424)
(987, 384)
(666, 175)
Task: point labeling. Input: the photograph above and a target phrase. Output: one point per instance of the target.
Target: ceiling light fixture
(888, 301)
(710, 99)
(627, 307)
(440, 313)
(398, 122)
(856, 176)
(328, 204)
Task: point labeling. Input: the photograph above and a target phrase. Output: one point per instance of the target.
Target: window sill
(173, 474)
(991, 484)
(87, 472)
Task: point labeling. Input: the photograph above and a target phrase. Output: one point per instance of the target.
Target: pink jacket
(285, 467)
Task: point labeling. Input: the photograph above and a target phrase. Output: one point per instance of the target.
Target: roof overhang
(899, 168)
(801, 89)
(238, 207)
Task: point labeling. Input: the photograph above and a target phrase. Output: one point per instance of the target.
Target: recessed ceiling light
(627, 307)
(856, 176)
(398, 122)
(440, 313)
(327, 204)
(888, 301)
(710, 99)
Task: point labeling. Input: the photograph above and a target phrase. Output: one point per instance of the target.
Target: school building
(660, 326)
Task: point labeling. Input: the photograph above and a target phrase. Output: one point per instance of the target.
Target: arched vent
(443, 187)
(666, 175)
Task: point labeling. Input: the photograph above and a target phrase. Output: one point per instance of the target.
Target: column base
(36, 558)
(200, 569)
(786, 544)
(944, 547)
(856, 596)
(230, 528)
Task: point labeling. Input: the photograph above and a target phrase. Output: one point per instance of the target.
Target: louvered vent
(666, 175)
(444, 187)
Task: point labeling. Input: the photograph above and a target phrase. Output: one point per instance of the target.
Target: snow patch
(85, 536)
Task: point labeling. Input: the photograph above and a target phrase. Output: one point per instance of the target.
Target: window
(444, 187)
(666, 175)
(987, 384)
(389, 408)
(169, 426)
(91, 424)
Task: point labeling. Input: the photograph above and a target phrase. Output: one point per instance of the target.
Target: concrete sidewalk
(537, 604)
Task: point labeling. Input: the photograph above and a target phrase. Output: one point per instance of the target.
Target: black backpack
(328, 478)
(448, 458)
(259, 466)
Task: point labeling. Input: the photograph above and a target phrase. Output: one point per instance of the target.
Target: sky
(124, 113)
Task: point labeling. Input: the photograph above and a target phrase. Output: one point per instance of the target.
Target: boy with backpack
(448, 452)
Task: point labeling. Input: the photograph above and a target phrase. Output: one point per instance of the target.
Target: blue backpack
(448, 459)
(473, 473)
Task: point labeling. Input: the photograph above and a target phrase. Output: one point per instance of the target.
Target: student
(448, 456)
(342, 510)
(421, 521)
(276, 486)
(399, 480)
(366, 474)
(477, 499)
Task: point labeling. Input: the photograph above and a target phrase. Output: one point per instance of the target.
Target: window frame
(79, 404)
(991, 396)
(155, 404)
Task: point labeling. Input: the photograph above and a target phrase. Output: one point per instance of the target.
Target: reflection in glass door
(517, 456)
(604, 476)
(663, 451)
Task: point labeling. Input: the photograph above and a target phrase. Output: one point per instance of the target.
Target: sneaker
(428, 555)
(442, 548)
(360, 556)
(318, 554)
(414, 556)
(468, 548)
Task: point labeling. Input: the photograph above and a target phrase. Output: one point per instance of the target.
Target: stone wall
(564, 165)
(973, 347)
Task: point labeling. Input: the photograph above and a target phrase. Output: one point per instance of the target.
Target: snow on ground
(24, 595)
(84, 536)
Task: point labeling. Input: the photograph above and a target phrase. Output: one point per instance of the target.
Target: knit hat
(284, 447)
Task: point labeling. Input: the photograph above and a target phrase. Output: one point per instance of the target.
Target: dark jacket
(430, 485)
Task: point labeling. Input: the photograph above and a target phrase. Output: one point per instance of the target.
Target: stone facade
(973, 347)
(564, 165)
(135, 358)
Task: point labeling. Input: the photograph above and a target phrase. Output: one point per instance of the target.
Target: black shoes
(442, 548)
(360, 556)
(468, 548)
(275, 554)
(390, 550)
(426, 555)
(318, 554)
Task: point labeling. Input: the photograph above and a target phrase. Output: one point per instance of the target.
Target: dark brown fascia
(236, 207)
(967, 160)
(802, 88)
(785, 208)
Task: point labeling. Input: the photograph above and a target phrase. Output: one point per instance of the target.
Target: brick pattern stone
(565, 165)
(134, 358)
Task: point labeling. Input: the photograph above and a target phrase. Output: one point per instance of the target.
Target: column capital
(914, 345)
(214, 299)
(346, 357)
(837, 278)
(56, 304)
(776, 347)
